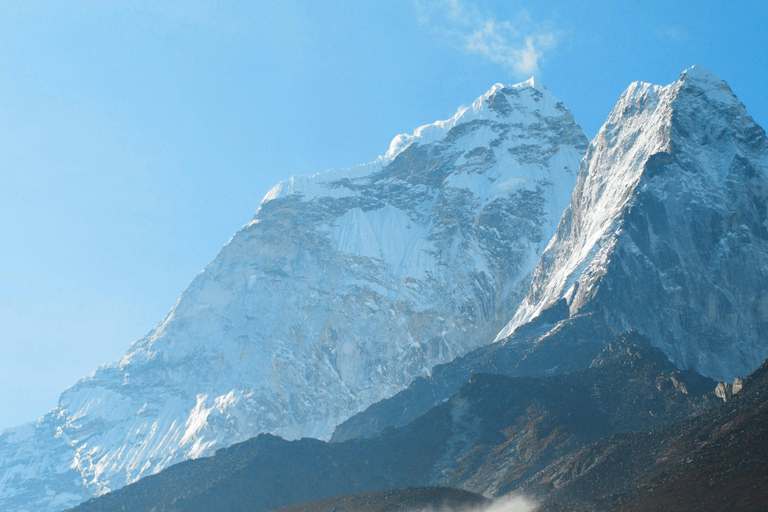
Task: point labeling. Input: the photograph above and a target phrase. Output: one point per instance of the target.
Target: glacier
(667, 232)
(344, 287)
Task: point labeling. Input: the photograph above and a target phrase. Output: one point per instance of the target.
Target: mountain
(666, 233)
(716, 461)
(344, 287)
(489, 437)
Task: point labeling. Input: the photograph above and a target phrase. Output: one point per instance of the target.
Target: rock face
(345, 287)
(667, 231)
(738, 384)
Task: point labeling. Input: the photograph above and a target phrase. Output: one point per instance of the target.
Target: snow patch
(386, 234)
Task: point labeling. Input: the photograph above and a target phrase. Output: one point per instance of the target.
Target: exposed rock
(716, 461)
(723, 391)
(738, 384)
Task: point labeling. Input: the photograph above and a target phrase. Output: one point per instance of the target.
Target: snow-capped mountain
(667, 231)
(343, 288)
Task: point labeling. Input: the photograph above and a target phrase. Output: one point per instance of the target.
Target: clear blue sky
(136, 137)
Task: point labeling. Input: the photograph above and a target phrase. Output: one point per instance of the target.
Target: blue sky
(137, 137)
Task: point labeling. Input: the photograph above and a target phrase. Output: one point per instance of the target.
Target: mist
(503, 504)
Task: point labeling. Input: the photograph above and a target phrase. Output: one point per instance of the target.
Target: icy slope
(667, 231)
(343, 288)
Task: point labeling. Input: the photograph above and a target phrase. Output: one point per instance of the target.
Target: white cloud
(504, 504)
(519, 44)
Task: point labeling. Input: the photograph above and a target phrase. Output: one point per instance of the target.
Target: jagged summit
(666, 231)
(702, 75)
(343, 288)
(525, 104)
(519, 103)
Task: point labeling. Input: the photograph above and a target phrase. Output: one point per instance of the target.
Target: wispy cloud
(518, 44)
(671, 34)
(504, 504)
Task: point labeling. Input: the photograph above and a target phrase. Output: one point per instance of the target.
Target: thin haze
(137, 137)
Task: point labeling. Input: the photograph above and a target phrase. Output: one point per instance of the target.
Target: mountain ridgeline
(667, 233)
(361, 306)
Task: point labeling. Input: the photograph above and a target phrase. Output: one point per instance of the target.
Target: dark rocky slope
(714, 462)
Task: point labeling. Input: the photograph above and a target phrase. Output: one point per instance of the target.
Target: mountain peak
(532, 83)
(344, 288)
(712, 86)
(523, 102)
(701, 74)
(668, 205)
(528, 105)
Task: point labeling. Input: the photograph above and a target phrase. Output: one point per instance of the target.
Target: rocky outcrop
(724, 391)
(738, 385)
